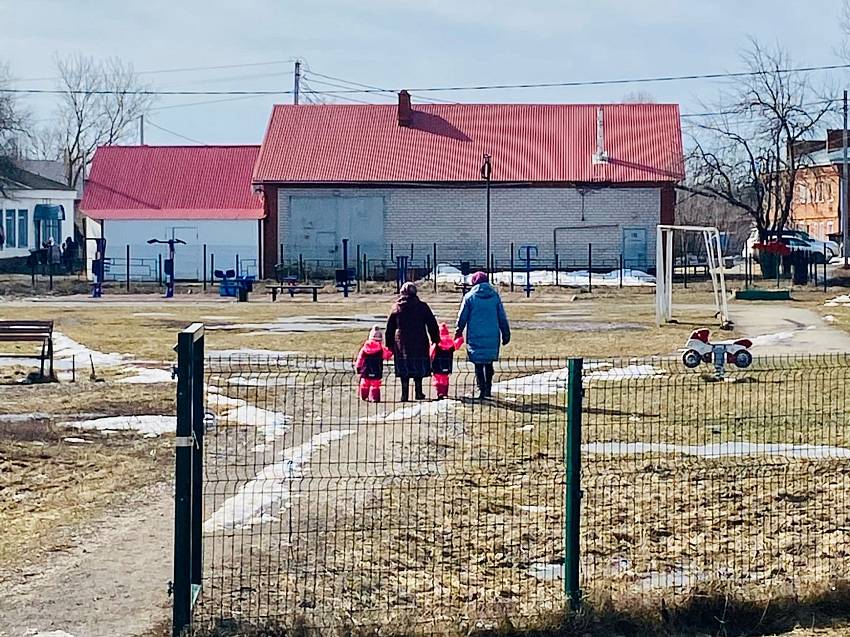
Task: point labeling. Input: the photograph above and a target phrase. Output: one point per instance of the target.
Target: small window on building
(819, 195)
(11, 236)
(802, 193)
(23, 228)
(829, 227)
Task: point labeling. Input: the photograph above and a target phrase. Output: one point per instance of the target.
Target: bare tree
(100, 102)
(13, 126)
(749, 153)
(639, 97)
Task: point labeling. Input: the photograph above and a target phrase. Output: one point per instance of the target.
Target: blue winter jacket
(483, 317)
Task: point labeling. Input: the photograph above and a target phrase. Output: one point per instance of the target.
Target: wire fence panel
(739, 485)
(324, 507)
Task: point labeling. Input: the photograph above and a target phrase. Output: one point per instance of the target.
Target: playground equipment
(98, 266)
(700, 349)
(168, 264)
(664, 272)
(234, 285)
(530, 253)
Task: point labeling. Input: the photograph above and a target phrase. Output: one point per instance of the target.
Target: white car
(796, 240)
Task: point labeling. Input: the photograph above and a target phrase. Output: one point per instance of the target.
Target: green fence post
(186, 509)
(572, 461)
(197, 460)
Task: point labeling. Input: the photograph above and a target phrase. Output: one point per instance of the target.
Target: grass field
(475, 484)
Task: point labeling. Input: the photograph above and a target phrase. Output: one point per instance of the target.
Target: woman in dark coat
(411, 328)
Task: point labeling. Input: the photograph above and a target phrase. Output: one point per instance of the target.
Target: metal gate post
(197, 460)
(572, 503)
(186, 536)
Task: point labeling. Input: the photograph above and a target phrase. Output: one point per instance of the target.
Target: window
(802, 193)
(829, 227)
(23, 228)
(50, 228)
(10, 229)
(820, 197)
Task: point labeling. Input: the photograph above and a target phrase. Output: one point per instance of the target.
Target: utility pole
(486, 172)
(141, 130)
(296, 92)
(844, 235)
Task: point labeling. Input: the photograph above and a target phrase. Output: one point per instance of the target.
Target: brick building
(387, 176)
(817, 190)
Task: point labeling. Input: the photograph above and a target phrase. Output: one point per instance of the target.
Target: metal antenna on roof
(600, 156)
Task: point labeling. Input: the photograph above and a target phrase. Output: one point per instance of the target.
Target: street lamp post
(486, 172)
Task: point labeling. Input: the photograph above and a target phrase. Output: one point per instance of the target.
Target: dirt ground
(87, 528)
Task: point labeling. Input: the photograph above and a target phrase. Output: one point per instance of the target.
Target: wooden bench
(30, 331)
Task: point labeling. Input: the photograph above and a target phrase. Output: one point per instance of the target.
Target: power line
(489, 87)
(174, 70)
(367, 86)
(205, 102)
(176, 134)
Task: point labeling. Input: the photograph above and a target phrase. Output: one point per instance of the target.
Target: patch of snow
(526, 428)
(52, 633)
(148, 425)
(623, 373)
(271, 424)
(305, 324)
(829, 318)
(545, 383)
(253, 503)
(771, 339)
(272, 380)
(547, 572)
(630, 277)
(248, 352)
(15, 418)
(147, 376)
(421, 409)
(718, 449)
(533, 508)
(65, 348)
(843, 299)
(77, 441)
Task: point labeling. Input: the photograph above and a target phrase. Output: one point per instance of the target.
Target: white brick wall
(454, 218)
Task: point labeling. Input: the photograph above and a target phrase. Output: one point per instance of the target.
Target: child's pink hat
(376, 333)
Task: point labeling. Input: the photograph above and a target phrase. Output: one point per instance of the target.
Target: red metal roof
(528, 142)
(172, 182)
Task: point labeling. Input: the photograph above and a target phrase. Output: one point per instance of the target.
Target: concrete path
(781, 329)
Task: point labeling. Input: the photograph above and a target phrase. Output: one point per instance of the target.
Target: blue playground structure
(232, 285)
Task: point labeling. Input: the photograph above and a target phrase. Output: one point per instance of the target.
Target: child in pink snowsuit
(442, 357)
(370, 365)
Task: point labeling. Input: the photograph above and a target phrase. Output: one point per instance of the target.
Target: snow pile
(844, 300)
(149, 426)
(254, 502)
(449, 274)
(625, 373)
(718, 450)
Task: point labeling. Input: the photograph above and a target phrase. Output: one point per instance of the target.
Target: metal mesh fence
(325, 509)
(739, 485)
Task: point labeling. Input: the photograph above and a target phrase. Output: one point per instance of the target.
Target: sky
(401, 44)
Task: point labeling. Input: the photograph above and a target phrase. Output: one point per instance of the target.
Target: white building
(34, 210)
(199, 194)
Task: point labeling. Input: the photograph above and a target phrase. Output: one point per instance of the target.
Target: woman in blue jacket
(483, 317)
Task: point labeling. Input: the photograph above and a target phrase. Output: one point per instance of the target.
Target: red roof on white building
(445, 143)
(172, 182)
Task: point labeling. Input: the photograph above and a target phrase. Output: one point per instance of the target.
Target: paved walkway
(778, 328)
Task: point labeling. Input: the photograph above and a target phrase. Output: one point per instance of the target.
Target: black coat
(411, 328)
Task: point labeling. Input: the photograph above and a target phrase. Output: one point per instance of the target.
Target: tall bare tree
(748, 153)
(100, 102)
(13, 127)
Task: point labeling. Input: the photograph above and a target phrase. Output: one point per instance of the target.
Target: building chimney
(601, 155)
(405, 110)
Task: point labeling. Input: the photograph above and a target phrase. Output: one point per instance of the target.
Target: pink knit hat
(479, 277)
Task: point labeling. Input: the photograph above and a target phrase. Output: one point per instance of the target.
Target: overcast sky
(397, 44)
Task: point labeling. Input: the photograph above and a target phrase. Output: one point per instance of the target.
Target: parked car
(796, 240)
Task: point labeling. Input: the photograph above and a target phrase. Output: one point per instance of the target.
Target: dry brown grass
(51, 487)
